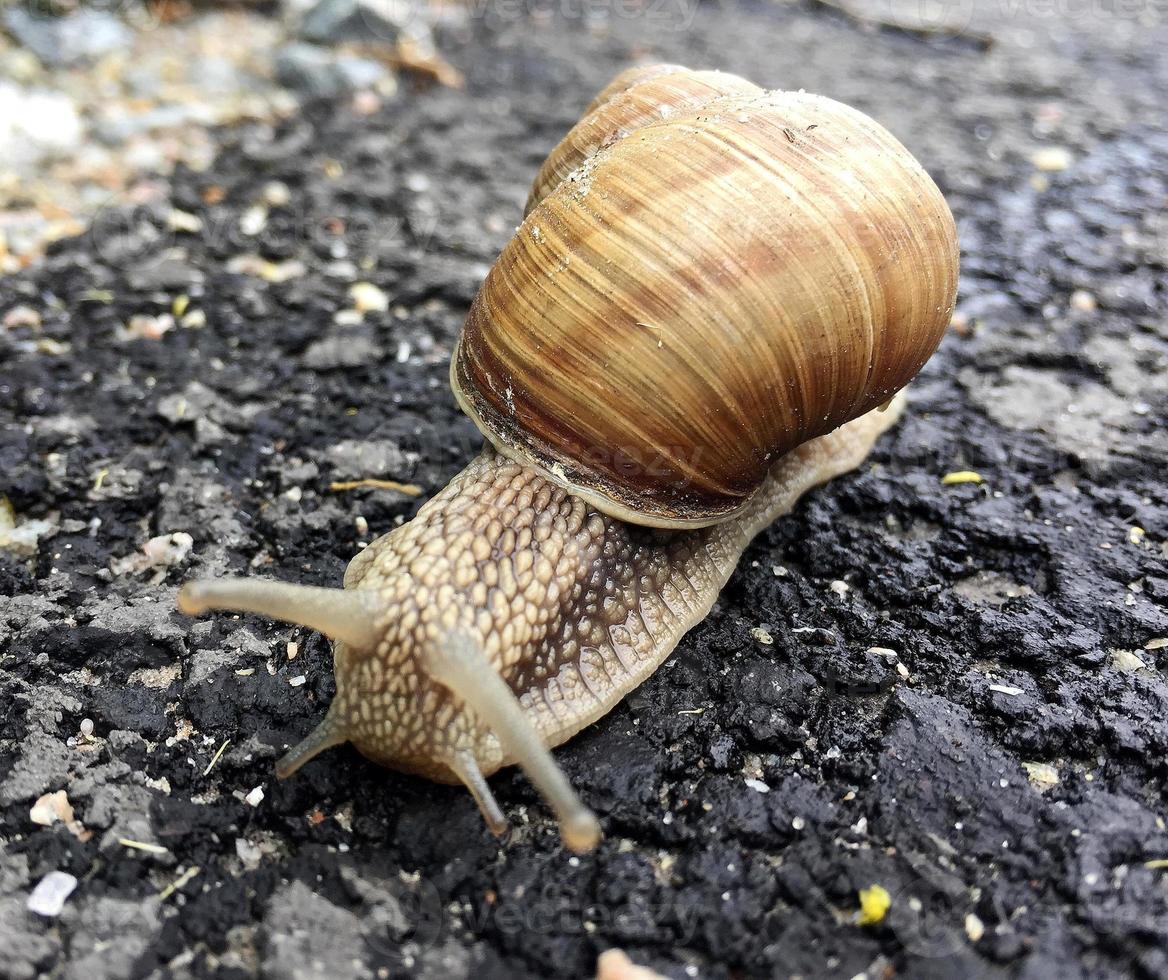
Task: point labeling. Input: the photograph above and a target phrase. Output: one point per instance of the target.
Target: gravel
(965, 725)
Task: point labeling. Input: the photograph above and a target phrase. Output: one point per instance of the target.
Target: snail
(710, 307)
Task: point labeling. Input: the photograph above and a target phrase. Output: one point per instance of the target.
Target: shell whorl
(703, 295)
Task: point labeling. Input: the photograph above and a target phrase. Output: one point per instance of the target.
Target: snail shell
(704, 294)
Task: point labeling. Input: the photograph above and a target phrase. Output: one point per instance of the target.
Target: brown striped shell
(633, 99)
(703, 294)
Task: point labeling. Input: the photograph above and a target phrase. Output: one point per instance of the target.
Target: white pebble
(255, 797)
(974, 927)
(758, 785)
(298, 681)
(839, 587)
(87, 727)
(48, 898)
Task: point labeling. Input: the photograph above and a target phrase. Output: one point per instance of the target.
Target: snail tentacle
(345, 615)
(467, 769)
(328, 733)
(459, 664)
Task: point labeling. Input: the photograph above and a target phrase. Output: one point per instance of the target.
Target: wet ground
(978, 722)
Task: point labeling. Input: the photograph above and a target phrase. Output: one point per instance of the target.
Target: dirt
(978, 723)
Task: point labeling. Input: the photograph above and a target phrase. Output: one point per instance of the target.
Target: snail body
(695, 324)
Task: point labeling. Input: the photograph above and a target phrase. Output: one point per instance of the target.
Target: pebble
(1042, 775)
(255, 797)
(48, 898)
(1125, 661)
(1051, 159)
(50, 808)
(321, 73)
(368, 298)
(974, 928)
(36, 127)
(184, 221)
(85, 35)
(254, 220)
(762, 636)
(22, 316)
(277, 194)
(332, 21)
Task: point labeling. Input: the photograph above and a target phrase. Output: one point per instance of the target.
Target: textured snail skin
(571, 608)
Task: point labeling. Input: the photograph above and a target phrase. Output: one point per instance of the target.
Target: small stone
(1042, 775)
(277, 194)
(145, 327)
(183, 221)
(84, 35)
(1012, 692)
(1125, 661)
(1051, 159)
(368, 298)
(974, 928)
(762, 636)
(87, 727)
(22, 316)
(22, 538)
(51, 808)
(298, 681)
(332, 21)
(758, 785)
(255, 797)
(168, 549)
(254, 220)
(48, 898)
(249, 853)
(36, 126)
(839, 587)
(1084, 301)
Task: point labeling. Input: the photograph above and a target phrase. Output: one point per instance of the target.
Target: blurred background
(237, 243)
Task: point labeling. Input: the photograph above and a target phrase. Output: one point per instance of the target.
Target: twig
(178, 883)
(215, 758)
(139, 845)
(409, 489)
